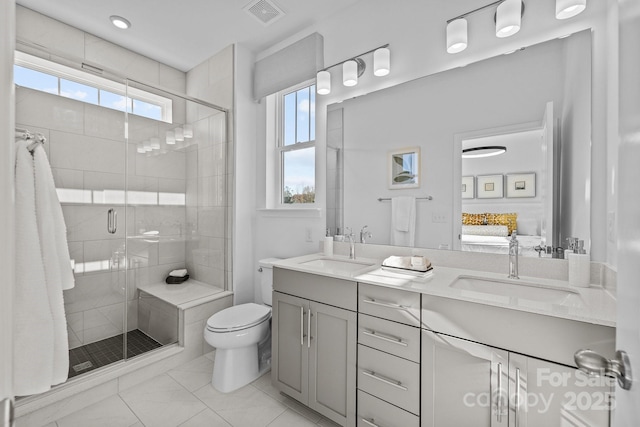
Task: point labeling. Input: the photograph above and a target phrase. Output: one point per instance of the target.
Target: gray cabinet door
(332, 363)
(548, 394)
(290, 370)
(463, 383)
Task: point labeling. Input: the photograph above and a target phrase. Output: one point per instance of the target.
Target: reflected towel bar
(382, 199)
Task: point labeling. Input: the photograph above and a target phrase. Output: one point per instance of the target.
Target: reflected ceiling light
(483, 151)
(140, 148)
(381, 62)
(120, 22)
(155, 143)
(188, 131)
(171, 138)
(508, 18)
(147, 146)
(179, 134)
(457, 35)
(353, 68)
(323, 82)
(569, 8)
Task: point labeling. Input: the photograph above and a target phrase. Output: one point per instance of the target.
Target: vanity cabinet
(465, 381)
(388, 357)
(314, 343)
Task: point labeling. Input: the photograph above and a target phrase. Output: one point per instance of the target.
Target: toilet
(241, 336)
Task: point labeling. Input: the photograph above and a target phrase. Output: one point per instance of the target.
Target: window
(295, 147)
(39, 74)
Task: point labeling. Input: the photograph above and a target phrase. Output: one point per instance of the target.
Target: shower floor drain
(82, 366)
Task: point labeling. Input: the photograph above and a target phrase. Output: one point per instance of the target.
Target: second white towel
(403, 221)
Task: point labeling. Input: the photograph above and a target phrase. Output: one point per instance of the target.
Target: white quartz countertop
(592, 305)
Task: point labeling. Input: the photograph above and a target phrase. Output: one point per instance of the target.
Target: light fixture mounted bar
(353, 58)
(464, 15)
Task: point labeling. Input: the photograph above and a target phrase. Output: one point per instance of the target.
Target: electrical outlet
(611, 227)
(307, 234)
(438, 217)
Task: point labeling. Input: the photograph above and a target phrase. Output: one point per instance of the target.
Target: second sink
(517, 289)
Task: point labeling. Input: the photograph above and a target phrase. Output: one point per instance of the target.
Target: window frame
(102, 84)
(280, 149)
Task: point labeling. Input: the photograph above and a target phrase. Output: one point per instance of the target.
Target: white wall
(7, 157)
(416, 30)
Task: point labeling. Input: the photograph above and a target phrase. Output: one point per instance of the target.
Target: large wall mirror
(535, 103)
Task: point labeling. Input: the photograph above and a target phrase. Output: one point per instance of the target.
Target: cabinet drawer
(390, 378)
(375, 412)
(392, 304)
(315, 287)
(391, 337)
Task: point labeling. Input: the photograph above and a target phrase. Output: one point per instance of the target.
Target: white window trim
(278, 149)
(52, 68)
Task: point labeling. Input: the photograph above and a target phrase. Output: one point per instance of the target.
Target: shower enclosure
(141, 174)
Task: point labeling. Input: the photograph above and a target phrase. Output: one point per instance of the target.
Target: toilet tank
(266, 279)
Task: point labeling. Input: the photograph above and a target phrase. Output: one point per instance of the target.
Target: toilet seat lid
(240, 316)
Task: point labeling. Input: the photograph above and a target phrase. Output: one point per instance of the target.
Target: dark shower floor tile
(101, 353)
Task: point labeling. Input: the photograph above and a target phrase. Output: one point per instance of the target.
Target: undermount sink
(517, 289)
(337, 265)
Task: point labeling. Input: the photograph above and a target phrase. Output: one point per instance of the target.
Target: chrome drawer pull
(390, 382)
(387, 338)
(302, 326)
(499, 395)
(385, 304)
(369, 423)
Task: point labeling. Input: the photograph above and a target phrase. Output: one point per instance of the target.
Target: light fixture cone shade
(155, 143)
(171, 138)
(457, 35)
(508, 18)
(569, 8)
(350, 73)
(381, 62)
(323, 83)
(188, 131)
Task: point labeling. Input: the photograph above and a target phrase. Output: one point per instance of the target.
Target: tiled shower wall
(86, 147)
(210, 171)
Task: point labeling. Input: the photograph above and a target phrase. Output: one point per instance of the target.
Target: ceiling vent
(264, 11)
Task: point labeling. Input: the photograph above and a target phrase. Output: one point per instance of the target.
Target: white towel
(403, 220)
(57, 262)
(33, 322)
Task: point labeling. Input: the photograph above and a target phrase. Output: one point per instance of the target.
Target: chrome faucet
(364, 234)
(513, 256)
(352, 243)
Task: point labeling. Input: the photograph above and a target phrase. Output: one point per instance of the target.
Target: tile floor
(184, 397)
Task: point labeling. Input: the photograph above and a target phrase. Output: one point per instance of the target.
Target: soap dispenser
(579, 266)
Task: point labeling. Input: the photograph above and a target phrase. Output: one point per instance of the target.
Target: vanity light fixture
(179, 134)
(187, 131)
(509, 17)
(569, 8)
(120, 22)
(456, 35)
(381, 62)
(353, 68)
(483, 151)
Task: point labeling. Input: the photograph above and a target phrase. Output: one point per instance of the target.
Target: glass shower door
(177, 209)
(86, 148)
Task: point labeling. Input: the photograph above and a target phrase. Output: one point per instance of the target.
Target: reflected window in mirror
(295, 145)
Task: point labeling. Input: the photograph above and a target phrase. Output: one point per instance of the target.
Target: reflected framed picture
(490, 187)
(468, 187)
(521, 185)
(404, 168)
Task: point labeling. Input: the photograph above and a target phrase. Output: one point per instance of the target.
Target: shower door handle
(112, 221)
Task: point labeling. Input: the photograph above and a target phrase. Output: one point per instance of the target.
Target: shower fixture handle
(112, 221)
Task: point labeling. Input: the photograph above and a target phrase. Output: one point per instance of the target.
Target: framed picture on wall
(468, 187)
(490, 186)
(404, 168)
(521, 185)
